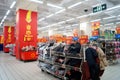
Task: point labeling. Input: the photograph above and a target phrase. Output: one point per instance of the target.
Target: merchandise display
(58, 60)
(64, 39)
(112, 50)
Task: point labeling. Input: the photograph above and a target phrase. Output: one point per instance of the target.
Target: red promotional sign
(69, 39)
(83, 39)
(95, 25)
(95, 33)
(9, 37)
(118, 30)
(1, 39)
(26, 32)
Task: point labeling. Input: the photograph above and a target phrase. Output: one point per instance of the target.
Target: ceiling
(63, 15)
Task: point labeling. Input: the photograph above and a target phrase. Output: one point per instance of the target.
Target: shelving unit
(63, 65)
(111, 50)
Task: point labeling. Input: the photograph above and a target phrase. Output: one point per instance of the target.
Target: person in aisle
(102, 57)
(93, 63)
(75, 47)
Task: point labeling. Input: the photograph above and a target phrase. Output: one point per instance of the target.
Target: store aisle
(112, 72)
(12, 69)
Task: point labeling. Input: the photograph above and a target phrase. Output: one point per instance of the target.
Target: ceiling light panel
(13, 4)
(51, 5)
(60, 11)
(70, 19)
(109, 17)
(37, 1)
(49, 15)
(41, 19)
(76, 4)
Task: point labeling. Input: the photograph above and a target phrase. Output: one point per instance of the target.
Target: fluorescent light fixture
(5, 17)
(51, 5)
(74, 5)
(82, 16)
(37, 1)
(60, 11)
(95, 20)
(109, 17)
(52, 25)
(7, 12)
(41, 19)
(75, 24)
(13, 4)
(114, 7)
(2, 21)
(109, 24)
(61, 22)
(70, 19)
(49, 15)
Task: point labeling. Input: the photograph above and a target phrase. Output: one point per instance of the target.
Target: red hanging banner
(9, 37)
(83, 39)
(95, 33)
(95, 25)
(118, 30)
(26, 32)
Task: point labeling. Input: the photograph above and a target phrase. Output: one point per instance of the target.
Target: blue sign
(75, 39)
(117, 36)
(94, 37)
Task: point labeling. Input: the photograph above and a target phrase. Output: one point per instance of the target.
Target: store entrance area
(12, 69)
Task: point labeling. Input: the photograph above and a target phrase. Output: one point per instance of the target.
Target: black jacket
(74, 48)
(91, 56)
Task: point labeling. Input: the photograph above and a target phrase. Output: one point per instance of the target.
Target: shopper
(92, 59)
(102, 58)
(75, 47)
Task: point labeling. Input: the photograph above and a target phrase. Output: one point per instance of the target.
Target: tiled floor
(12, 69)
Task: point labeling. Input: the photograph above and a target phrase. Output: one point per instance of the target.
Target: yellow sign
(28, 16)
(9, 30)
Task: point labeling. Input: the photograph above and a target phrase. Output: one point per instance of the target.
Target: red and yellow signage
(118, 30)
(83, 39)
(75, 32)
(9, 37)
(1, 39)
(95, 25)
(26, 26)
(95, 33)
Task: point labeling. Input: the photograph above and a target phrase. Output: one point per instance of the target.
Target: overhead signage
(99, 8)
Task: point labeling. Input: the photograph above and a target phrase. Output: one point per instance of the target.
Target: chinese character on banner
(95, 25)
(9, 35)
(28, 34)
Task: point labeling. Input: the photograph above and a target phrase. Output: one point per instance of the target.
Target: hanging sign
(95, 33)
(83, 39)
(99, 8)
(95, 25)
(118, 30)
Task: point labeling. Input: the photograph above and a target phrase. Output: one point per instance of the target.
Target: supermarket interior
(59, 39)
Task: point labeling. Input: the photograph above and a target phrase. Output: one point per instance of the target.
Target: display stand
(111, 50)
(62, 67)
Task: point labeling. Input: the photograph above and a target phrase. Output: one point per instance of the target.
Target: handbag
(85, 68)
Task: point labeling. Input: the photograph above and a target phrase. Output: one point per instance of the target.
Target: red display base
(6, 50)
(30, 55)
